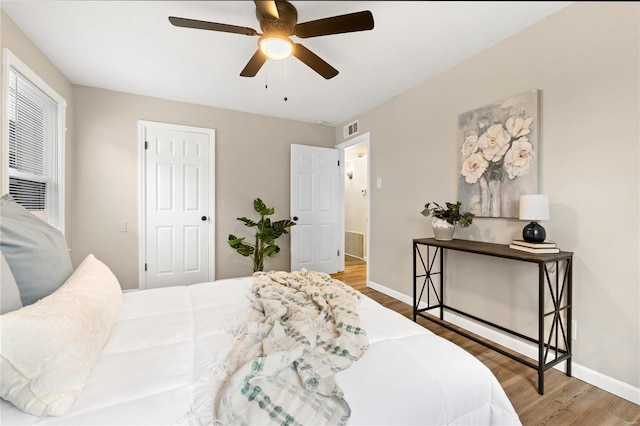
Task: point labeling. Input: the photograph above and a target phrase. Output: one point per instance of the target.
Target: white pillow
(47, 349)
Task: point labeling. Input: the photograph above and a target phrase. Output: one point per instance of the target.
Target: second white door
(316, 208)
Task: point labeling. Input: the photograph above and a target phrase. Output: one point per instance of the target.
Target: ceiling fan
(278, 21)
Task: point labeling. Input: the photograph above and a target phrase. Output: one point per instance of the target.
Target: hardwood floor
(567, 400)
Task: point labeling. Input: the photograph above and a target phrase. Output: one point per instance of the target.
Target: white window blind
(33, 147)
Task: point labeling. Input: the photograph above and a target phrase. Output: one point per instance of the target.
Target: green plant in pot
(267, 231)
(446, 218)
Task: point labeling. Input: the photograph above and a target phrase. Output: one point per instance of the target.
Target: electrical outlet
(574, 330)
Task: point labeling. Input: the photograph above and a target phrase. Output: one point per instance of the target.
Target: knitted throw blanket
(302, 330)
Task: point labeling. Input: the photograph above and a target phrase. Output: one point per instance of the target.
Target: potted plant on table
(267, 231)
(446, 218)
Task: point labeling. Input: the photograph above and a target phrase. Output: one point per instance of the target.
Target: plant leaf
(258, 205)
(245, 250)
(234, 241)
(250, 223)
(280, 227)
(466, 220)
(271, 250)
(262, 209)
(266, 233)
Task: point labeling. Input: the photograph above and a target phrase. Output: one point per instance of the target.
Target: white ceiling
(130, 46)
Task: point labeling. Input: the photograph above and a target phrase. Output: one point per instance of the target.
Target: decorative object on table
(538, 250)
(446, 218)
(544, 244)
(498, 155)
(534, 207)
(267, 232)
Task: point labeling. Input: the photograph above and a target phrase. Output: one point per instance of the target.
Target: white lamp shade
(276, 48)
(534, 207)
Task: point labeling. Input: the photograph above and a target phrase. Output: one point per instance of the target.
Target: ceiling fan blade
(267, 8)
(255, 63)
(314, 62)
(212, 26)
(358, 21)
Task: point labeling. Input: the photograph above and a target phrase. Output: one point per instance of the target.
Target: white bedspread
(164, 362)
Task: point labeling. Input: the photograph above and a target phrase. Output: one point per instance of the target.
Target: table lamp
(534, 207)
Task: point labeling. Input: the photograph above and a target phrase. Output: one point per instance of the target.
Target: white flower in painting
(494, 142)
(518, 160)
(470, 145)
(518, 126)
(473, 167)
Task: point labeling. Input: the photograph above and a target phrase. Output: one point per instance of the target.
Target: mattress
(164, 362)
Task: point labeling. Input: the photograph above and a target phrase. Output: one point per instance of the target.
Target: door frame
(142, 195)
(362, 139)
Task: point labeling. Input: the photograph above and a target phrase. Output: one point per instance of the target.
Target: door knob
(295, 218)
(204, 218)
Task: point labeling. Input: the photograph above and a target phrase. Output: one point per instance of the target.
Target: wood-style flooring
(567, 400)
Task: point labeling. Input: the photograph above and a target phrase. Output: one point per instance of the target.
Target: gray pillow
(36, 252)
(9, 293)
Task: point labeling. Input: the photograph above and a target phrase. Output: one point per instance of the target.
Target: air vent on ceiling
(351, 129)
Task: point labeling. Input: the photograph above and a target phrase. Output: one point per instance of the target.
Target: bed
(160, 357)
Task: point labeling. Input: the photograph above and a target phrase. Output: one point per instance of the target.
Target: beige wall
(585, 62)
(252, 160)
(355, 203)
(355, 219)
(14, 39)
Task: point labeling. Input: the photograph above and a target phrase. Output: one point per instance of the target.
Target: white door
(178, 205)
(316, 208)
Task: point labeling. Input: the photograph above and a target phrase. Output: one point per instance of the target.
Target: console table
(553, 348)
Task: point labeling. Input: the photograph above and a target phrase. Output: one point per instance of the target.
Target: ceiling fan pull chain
(285, 80)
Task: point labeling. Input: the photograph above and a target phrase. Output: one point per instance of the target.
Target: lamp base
(534, 233)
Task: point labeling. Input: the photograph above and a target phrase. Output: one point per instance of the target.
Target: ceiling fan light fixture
(278, 21)
(277, 48)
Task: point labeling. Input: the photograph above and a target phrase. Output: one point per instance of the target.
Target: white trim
(362, 139)
(390, 292)
(142, 249)
(609, 384)
(6, 53)
(142, 208)
(10, 60)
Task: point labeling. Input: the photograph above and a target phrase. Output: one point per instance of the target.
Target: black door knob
(295, 218)
(204, 218)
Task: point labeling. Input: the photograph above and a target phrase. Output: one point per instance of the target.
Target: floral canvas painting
(499, 156)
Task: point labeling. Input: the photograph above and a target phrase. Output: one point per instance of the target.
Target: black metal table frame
(558, 334)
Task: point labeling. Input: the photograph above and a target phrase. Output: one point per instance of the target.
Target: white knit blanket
(303, 329)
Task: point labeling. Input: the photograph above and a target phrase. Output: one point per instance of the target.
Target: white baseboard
(391, 293)
(609, 384)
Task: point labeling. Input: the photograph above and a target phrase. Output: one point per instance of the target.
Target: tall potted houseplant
(267, 231)
(446, 218)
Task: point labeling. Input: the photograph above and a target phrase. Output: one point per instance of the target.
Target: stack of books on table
(540, 248)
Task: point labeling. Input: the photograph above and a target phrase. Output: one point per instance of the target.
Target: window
(33, 141)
